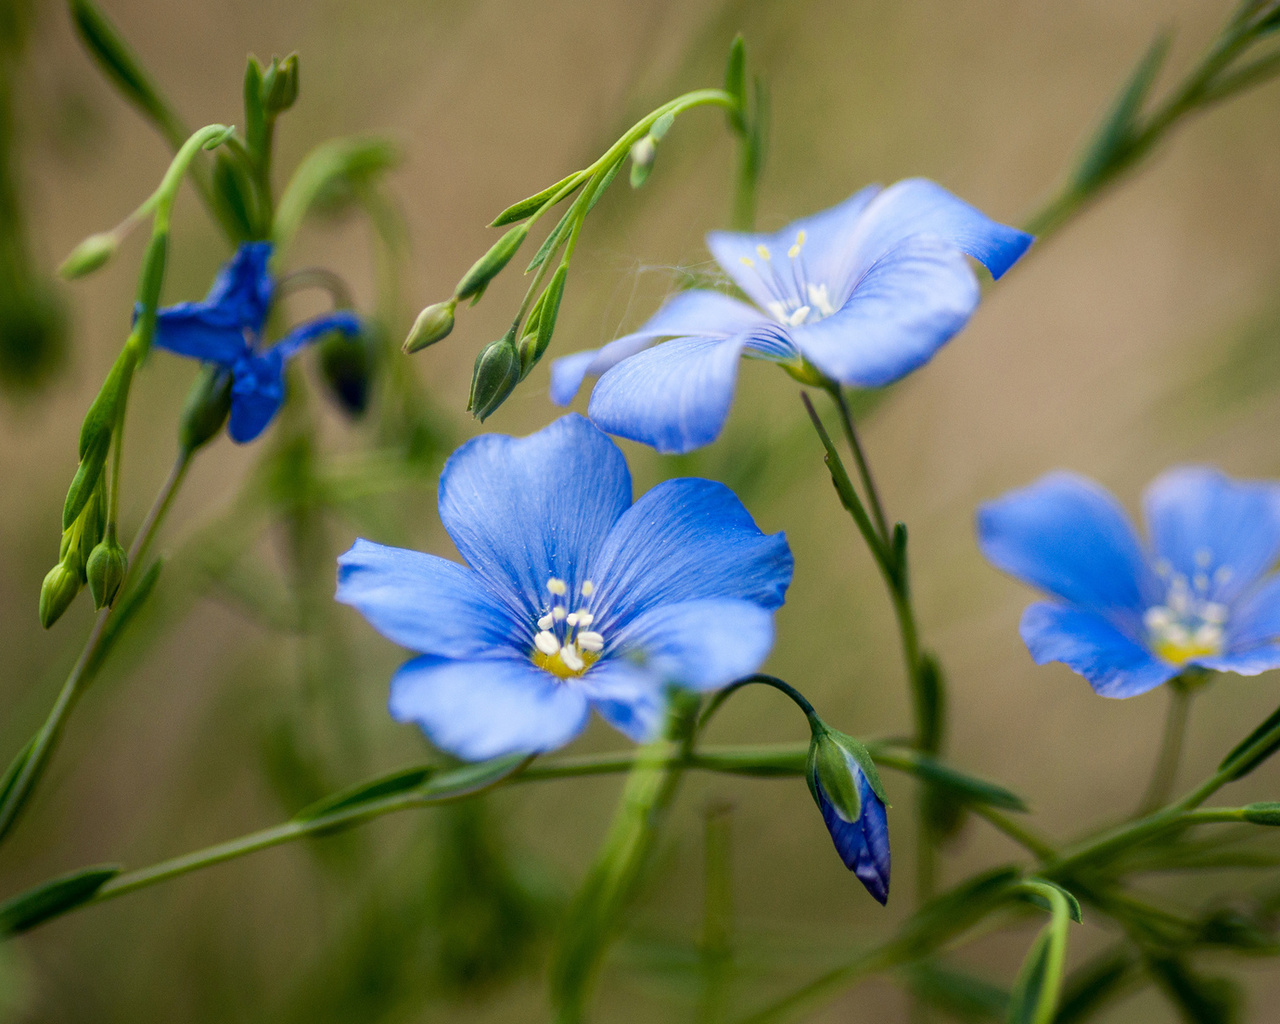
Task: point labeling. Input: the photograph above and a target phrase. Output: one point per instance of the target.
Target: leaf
(957, 909)
(963, 786)
(735, 84)
(1043, 902)
(552, 241)
(1113, 142)
(1089, 987)
(387, 785)
(1202, 1000)
(957, 993)
(1252, 750)
(52, 898)
(605, 182)
(1026, 999)
(528, 207)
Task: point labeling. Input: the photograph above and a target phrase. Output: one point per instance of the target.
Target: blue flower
(226, 329)
(1128, 617)
(864, 293)
(572, 597)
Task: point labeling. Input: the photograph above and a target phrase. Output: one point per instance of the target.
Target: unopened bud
(57, 592)
(433, 324)
(535, 342)
(496, 374)
(106, 570)
(488, 266)
(280, 84)
(347, 365)
(206, 409)
(643, 154)
(91, 254)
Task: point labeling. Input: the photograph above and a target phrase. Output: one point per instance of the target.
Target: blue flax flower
(1129, 617)
(864, 293)
(572, 596)
(226, 329)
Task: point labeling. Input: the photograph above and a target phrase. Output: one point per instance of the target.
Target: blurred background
(1145, 333)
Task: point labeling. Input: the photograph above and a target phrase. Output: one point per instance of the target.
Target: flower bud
(206, 409)
(57, 592)
(643, 154)
(106, 570)
(279, 87)
(496, 374)
(542, 322)
(847, 789)
(488, 266)
(347, 364)
(91, 254)
(433, 324)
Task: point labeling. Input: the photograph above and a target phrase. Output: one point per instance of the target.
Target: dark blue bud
(852, 805)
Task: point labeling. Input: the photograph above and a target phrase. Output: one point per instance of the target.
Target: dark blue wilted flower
(572, 597)
(1129, 617)
(226, 329)
(863, 293)
(846, 787)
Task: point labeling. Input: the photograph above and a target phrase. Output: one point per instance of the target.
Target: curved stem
(1170, 756)
(780, 685)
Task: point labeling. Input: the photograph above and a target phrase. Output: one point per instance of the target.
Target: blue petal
(826, 255)
(1070, 537)
(342, 320)
(194, 330)
(1234, 524)
(917, 206)
(425, 603)
(257, 392)
(489, 707)
(1087, 643)
(1255, 619)
(524, 510)
(693, 313)
(243, 288)
(686, 540)
(1250, 662)
(698, 645)
(863, 845)
(628, 697)
(674, 397)
(906, 307)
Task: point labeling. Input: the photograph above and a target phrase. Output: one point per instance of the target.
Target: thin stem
(1025, 837)
(86, 666)
(864, 468)
(780, 685)
(1170, 756)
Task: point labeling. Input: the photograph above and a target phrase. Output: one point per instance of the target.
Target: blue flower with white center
(1128, 617)
(864, 293)
(226, 329)
(572, 597)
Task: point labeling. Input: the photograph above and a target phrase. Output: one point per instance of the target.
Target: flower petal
(906, 307)
(524, 510)
(1201, 522)
(686, 540)
(487, 707)
(917, 206)
(1085, 642)
(863, 845)
(257, 392)
(1251, 662)
(694, 313)
(631, 699)
(425, 603)
(342, 320)
(674, 397)
(827, 250)
(1070, 537)
(1255, 620)
(196, 331)
(244, 286)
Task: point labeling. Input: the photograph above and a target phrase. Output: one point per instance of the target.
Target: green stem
(780, 685)
(864, 468)
(1170, 756)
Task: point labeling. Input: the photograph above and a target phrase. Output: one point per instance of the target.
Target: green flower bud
(106, 570)
(488, 266)
(643, 154)
(91, 254)
(542, 322)
(279, 87)
(206, 409)
(496, 374)
(1262, 814)
(57, 592)
(433, 324)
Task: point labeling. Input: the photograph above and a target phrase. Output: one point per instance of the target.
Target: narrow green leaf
(552, 241)
(960, 785)
(958, 909)
(528, 207)
(735, 84)
(384, 786)
(14, 770)
(1092, 985)
(599, 189)
(1254, 748)
(467, 779)
(957, 993)
(1028, 991)
(52, 898)
(1262, 814)
(1043, 902)
(1202, 1000)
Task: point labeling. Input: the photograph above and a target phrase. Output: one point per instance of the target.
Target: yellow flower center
(565, 645)
(1189, 625)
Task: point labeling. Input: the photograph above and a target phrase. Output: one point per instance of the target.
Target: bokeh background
(1144, 334)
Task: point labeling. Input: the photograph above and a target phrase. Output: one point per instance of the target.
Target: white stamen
(778, 310)
(1203, 557)
(746, 261)
(590, 641)
(1214, 612)
(588, 588)
(569, 655)
(585, 618)
(763, 252)
(794, 251)
(819, 297)
(798, 317)
(571, 619)
(547, 643)
(557, 587)
(546, 621)
(1163, 568)
(1223, 574)
(1201, 581)
(1157, 619)
(558, 613)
